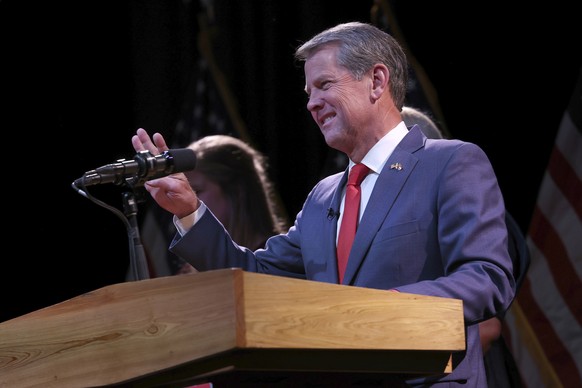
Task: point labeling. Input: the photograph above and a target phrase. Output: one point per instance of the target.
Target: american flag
(544, 324)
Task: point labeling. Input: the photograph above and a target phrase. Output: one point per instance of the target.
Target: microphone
(144, 166)
(332, 213)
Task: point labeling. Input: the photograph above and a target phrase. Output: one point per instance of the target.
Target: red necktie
(350, 218)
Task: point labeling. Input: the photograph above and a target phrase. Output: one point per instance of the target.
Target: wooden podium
(231, 328)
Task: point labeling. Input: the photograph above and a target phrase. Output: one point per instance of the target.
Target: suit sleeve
(207, 246)
(472, 237)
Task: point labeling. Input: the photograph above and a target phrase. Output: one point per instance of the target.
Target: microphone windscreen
(184, 159)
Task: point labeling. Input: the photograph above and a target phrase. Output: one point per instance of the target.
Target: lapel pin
(396, 166)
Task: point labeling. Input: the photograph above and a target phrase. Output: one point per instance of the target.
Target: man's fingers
(142, 141)
(137, 144)
(160, 142)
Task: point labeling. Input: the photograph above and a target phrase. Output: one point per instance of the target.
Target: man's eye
(326, 85)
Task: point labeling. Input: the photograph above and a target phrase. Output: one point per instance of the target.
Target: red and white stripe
(545, 322)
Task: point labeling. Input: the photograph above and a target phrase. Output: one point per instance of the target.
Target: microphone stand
(144, 166)
(138, 265)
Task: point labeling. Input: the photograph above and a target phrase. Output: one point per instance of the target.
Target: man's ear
(380, 77)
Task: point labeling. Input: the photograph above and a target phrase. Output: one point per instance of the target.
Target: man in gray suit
(432, 217)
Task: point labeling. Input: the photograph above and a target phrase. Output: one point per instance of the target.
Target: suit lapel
(390, 182)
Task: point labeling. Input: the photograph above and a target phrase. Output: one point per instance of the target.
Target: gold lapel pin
(396, 166)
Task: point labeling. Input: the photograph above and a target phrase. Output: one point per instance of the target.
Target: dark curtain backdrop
(80, 77)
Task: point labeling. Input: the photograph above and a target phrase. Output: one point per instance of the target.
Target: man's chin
(333, 140)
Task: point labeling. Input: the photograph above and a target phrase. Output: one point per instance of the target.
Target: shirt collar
(376, 158)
